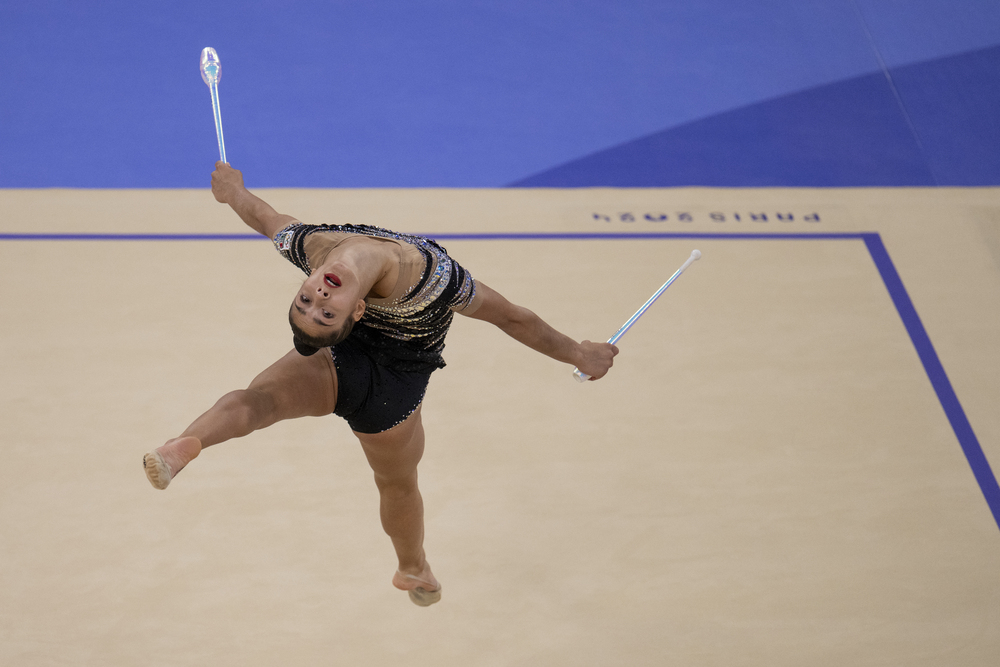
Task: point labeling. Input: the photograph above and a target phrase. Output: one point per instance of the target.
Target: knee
(395, 487)
(248, 406)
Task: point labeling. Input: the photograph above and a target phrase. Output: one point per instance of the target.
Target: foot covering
(157, 470)
(163, 463)
(420, 596)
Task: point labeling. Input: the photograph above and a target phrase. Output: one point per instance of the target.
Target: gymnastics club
(211, 72)
(695, 254)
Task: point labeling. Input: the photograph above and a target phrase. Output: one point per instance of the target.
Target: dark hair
(307, 345)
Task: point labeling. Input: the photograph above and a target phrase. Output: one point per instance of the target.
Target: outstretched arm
(228, 188)
(594, 359)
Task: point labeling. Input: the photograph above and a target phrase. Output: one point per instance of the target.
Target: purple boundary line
(131, 237)
(873, 242)
(526, 236)
(936, 373)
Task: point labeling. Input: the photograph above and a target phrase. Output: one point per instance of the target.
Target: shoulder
(283, 236)
(289, 241)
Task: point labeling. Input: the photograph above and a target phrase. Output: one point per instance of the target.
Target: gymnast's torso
(406, 329)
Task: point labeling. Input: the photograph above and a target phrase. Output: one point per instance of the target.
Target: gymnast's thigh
(298, 386)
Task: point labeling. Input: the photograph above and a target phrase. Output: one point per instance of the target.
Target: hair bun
(304, 349)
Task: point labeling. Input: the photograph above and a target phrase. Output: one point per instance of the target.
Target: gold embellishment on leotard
(419, 318)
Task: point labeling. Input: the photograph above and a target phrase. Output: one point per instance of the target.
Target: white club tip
(696, 254)
(211, 67)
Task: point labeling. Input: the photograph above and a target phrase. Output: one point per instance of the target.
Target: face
(324, 302)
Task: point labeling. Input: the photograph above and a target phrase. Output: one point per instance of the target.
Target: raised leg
(393, 456)
(294, 386)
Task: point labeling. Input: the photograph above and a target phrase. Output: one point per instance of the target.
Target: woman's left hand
(227, 183)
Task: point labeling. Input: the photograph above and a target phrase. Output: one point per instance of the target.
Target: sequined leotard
(401, 340)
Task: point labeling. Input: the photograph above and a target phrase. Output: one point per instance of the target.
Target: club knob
(211, 68)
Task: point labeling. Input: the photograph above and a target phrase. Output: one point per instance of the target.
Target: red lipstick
(331, 280)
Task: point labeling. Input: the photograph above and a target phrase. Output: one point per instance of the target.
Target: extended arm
(228, 188)
(524, 326)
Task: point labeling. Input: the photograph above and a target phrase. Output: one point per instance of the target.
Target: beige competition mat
(767, 476)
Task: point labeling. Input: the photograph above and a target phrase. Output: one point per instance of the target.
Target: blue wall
(484, 94)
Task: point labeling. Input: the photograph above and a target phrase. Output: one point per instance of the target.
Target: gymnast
(368, 327)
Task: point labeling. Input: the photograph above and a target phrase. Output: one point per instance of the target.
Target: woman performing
(368, 326)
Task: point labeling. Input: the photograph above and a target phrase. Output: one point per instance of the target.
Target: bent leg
(294, 386)
(393, 456)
